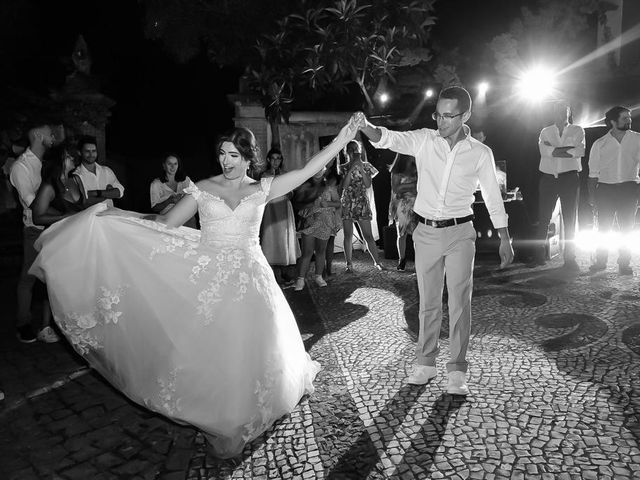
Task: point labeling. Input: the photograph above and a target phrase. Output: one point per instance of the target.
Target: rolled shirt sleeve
(579, 142)
(594, 160)
(113, 181)
(407, 143)
(545, 150)
(491, 190)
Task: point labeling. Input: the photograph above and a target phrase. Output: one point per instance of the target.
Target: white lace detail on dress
(264, 404)
(227, 271)
(79, 327)
(106, 302)
(171, 242)
(201, 267)
(169, 402)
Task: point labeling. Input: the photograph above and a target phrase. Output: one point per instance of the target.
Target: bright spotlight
(428, 93)
(483, 88)
(537, 84)
(384, 97)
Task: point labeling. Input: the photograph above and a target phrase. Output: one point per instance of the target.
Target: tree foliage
(332, 45)
(547, 27)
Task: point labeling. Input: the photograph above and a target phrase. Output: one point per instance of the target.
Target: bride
(190, 324)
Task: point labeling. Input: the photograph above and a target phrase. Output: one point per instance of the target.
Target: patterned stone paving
(554, 374)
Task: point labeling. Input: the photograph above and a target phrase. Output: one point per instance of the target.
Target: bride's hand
(110, 212)
(118, 212)
(349, 131)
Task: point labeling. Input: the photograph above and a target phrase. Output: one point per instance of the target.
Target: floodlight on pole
(536, 85)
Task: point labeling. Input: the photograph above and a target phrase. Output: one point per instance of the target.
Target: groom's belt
(446, 222)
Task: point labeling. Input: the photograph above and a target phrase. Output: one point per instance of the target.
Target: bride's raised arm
(288, 181)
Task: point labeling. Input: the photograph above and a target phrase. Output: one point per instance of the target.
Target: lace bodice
(223, 227)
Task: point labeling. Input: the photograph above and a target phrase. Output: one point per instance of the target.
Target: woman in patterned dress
(319, 224)
(356, 202)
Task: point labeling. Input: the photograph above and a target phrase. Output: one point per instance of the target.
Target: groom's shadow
(363, 455)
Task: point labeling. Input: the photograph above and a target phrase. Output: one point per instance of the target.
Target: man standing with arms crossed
(561, 147)
(614, 161)
(450, 164)
(99, 182)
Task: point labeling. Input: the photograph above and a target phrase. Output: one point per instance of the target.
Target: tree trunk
(275, 133)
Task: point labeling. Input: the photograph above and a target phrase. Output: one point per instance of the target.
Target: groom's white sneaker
(457, 383)
(421, 374)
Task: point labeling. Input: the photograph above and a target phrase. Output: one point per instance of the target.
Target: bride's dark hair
(245, 141)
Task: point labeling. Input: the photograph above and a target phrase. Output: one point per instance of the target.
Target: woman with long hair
(278, 229)
(60, 194)
(357, 201)
(167, 190)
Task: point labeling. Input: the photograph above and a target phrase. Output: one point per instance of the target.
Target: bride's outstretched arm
(179, 214)
(286, 182)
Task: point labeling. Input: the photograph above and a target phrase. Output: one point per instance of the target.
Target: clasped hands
(357, 122)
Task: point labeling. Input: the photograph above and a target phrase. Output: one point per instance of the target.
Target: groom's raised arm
(408, 143)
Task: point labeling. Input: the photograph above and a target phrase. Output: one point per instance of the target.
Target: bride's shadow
(313, 326)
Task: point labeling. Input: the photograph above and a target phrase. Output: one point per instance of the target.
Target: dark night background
(163, 106)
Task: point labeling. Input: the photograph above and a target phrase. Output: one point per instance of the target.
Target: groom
(450, 165)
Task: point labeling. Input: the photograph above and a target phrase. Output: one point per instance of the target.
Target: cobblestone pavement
(554, 377)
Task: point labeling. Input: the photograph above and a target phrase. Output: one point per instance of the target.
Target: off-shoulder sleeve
(194, 191)
(265, 184)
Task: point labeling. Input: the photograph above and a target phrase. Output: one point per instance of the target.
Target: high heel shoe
(349, 268)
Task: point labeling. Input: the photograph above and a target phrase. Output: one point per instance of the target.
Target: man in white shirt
(25, 176)
(450, 164)
(614, 161)
(561, 150)
(99, 182)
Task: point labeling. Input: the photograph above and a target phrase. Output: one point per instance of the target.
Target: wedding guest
(319, 224)
(61, 193)
(99, 182)
(404, 178)
(278, 228)
(167, 190)
(614, 164)
(357, 202)
(332, 184)
(26, 176)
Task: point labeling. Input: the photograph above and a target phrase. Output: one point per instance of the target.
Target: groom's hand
(371, 131)
(506, 252)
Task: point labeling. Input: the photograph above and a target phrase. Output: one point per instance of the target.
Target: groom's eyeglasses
(445, 116)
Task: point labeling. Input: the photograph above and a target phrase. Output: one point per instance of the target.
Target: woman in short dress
(357, 203)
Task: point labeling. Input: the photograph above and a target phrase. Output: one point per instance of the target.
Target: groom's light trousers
(440, 250)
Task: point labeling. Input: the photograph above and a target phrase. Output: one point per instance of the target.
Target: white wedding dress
(189, 324)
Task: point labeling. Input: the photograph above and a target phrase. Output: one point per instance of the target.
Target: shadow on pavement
(363, 457)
